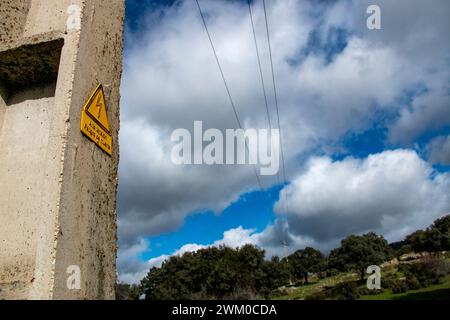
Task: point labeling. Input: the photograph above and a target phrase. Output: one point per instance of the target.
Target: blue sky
(365, 116)
(252, 211)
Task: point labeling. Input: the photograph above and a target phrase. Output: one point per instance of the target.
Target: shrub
(297, 283)
(279, 292)
(399, 286)
(342, 291)
(427, 272)
(331, 272)
(243, 294)
(388, 281)
(365, 291)
(412, 283)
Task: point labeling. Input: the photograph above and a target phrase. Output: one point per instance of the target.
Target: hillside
(346, 284)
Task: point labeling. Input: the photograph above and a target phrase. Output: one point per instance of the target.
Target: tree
(212, 273)
(128, 291)
(438, 235)
(417, 241)
(151, 282)
(306, 261)
(359, 252)
(433, 239)
(276, 274)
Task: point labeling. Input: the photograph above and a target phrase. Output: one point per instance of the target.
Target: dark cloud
(438, 150)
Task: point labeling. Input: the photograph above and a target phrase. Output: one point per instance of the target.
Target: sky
(364, 117)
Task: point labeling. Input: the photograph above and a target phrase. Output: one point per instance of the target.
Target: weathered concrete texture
(48, 16)
(13, 14)
(87, 215)
(23, 144)
(30, 64)
(57, 189)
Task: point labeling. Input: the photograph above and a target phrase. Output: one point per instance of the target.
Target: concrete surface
(57, 188)
(30, 64)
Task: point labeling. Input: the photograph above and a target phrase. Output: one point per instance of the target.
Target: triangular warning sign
(94, 121)
(96, 108)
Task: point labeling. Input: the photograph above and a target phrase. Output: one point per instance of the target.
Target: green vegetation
(304, 262)
(435, 238)
(303, 292)
(244, 273)
(359, 252)
(433, 292)
(348, 286)
(128, 292)
(216, 273)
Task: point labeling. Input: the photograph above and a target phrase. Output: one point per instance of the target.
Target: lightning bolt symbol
(100, 106)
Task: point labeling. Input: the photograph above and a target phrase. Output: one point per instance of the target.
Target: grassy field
(434, 292)
(304, 291)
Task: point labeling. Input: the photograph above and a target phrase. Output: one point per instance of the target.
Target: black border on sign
(86, 109)
(90, 138)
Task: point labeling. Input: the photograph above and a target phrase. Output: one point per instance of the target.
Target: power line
(226, 84)
(286, 207)
(286, 255)
(261, 75)
(262, 81)
(259, 64)
(274, 90)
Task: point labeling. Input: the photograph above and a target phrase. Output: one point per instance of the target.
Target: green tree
(417, 240)
(438, 235)
(212, 273)
(359, 252)
(128, 291)
(434, 238)
(306, 261)
(276, 274)
(151, 282)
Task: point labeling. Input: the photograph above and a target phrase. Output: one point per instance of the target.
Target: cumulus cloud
(392, 193)
(170, 79)
(133, 273)
(270, 240)
(131, 268)
(156, 195)
(414, 31)
(429, 111)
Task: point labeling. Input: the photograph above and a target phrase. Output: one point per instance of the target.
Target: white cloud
(392, 193)
(414, 32)
(131, 268)
(170, 79)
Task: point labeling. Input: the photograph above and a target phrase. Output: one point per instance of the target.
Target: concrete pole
(57, 188)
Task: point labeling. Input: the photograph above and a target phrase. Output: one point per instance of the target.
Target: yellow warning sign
(94, 121)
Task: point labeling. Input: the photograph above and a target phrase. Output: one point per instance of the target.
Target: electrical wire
(263, 85)
(233, 106)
